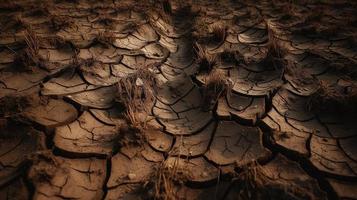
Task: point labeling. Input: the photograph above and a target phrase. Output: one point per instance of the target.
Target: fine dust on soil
(108, 100)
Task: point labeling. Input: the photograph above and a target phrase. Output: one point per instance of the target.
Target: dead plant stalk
(136, 92)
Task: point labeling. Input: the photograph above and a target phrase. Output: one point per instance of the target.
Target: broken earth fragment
(197, 169)
(17, 143)
(97, 98)
(53, 113)
(236, 144)
(194, 145)
(55, 177)
(87, 135)
(15, 190)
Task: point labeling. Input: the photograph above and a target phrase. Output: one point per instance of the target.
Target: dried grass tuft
(28, 58)
(252, 179)
(255, 182)
(136, 93)
(214, 34)
(205, 60)
(166, 7)
(298, 75)
(56, 42)
(216, 85)
(227, 57)
(167, 180)
(335, 98)
(275, 52)
(218, 34)
(33, 45)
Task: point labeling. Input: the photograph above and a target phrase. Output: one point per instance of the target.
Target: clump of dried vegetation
(335, 98)
(216, 85)
(28, 58)
(205, 60)
(254, 181)
(136, 93)
(163, 10)
(215, 34)
(298, 75)
(59, 22)
(275, 51)
(251, 178)
(56, 42)
(106, 20)
(166, 181)
(105, 38)
(130, 27)
(227, 57)
(166, 7)
(86, 64)
(11, 106)
(44, 166)
(218, 34)
(273, 44)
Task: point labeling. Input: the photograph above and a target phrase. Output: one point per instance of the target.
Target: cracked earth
(250, 100)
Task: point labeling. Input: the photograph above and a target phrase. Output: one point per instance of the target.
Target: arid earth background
(108, 100)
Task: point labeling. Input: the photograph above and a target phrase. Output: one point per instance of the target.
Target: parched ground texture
(237, 99)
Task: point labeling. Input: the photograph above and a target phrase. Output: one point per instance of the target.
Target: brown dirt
(176, 99)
